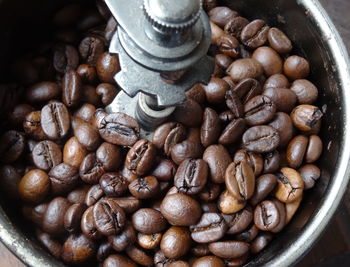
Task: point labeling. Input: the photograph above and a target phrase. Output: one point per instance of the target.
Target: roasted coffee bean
(180, 209)
(160, 260)
(210, 228)
(139, 256)
(109, 217)
(148, 221)
(306, 117)
(124, 239)
(64, 178)
(210, 129)
(290, 185)
(90, 49)
(78, 249)
(167, 135)
(107, 66)
(150, 241)
(176, 242)
(32, 126)
(72, 217)
(314, 149)
(144, 188)
(305, 91)
(119, 129)
(65, 58)
(140, 157)
(310, 174)
(165, 170)
(235, 26)
(186, 150)
(296, 67)
(279, 41)
(55, 120)
(269, 59)
(89, 95)
(34, 186)
(109, 155)
(254, 160)
(78, 195)
(260, 242)
(234, 104)
(85, 112)
(47, 155)
(239, 221)
(284, 99)
(197, 93)
(86, 134)
(259, 110)
(91, 170)
(103, 251)
(245, 68)
(191, 176)
(118, 260)
(296, 151)
(210, 192)
(208, 261)
(221, 15)
(228, 45)
(255, 33)
(261, 139)
(216, 32)
(282, 211)
(93, 195)
(113, 184)
(128, 204)
(12, 144)
(128, 175)
(71, 88)
(210, 208)
(218, 159)
(88, 225)
(53, 219)
(271, 162)
(228, 204)
(226, 116)
(200, 250)
(248, 235)
(216, 90)
(107, 92)
(188, 113)
(223, 61)
(248, 88)
(228, 79)
(240, 180)
(42, 92)
(276, 81)
(87, 73)
(266, 215)
(50, 244)
(10, 179)
(73, 152)
(283, 124)
(229, 249)
(291, 208)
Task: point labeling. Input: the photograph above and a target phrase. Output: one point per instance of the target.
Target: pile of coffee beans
(218, 180)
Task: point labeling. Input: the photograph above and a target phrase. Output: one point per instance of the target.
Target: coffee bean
(167, 135)
(255, 33)
(150, 241)
(223, 61)
(290, 185)
(90, 48)
(296, 67)
(226, 116)
(87, 73)
(148, 221)
(261, 139)
(306, 117)
(279, 41)
(269, 59)
(139, 256)
(210, 228)
(228, 79)
(74, 152)
(88, 225)
(78, 249)
(197, 93)
(292, 207)
(283, 124)
(235, 26)
(248, 88)
(46, 155)
(165, 170)
(200, 250)
(282, 211)
(128, 175)
(119, 129)
(179, 264)
(259, 110)
(63, 178)
(276, 81)
(50, 244)
(103, 251)
(218, 159)
(271, 162)
(245, 68)
(234, 104)
(113, 184)
(85, 112)
(144, 188)
(118, 260)
(314, 149)
(65, 58)
(260, 242)
(89, 95)
(71, 88)
(160, 260)
(210, 192)
(176, 242)
(229, 249)
(239, 221)
(188, 113)
(128, 204)
(111, 28)
(78, 195)
(240, 180)
(124, 239)
(228, 204)
(221, 15)
(55, 120)
(72, 217)
(107, 92)
(42, 92)
(296, 151)
(91, 170)
(266, 215)
(310, 174)
(34, 186)
(216, 90)
(254, 160)
(93, 195)
(140, 157)
(109, 217)
(210, 129)
(12, 144)
(228, 45)
(107, 66)
(180, 209)
(305, 91)
(284, 99)
(186, 150)
(86, 134)
(109, 155)
(32, 126)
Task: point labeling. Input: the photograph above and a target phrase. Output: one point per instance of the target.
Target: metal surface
(312, 33)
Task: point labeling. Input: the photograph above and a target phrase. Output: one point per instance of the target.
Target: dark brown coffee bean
(191, 176)
(228, 45)
(124, 239)
(226, 116)
(109, 217)
(189, 113)
(221, 15)
(254, 160)
(139, 256)
(216, 90)
(259, 110)
(176, 242)
(248, 235)
(71, 88)
(271, 162)
(260, 242)
(103, 251)
(223, 61)
(110, 156)
(32, 126)
(89, 95)
(150, 241)
(160, 260)
(228, 79)
(290, 185)
(90, 49)
(167, 135)
(53, 220)
(296, 67)
(279, 41)
(210, 192)
(284, 99)
(88, 225)
(218, 159)
(85, 112)
(216, 32)
(306, 117)
(234, 104)
(113, 184)
(255, 33)
(229, 249)
(261, 139)
(269, 59)
(148, 221)
(73, 216)
(107, 92)
(63, 178)
(55, 120)
(239, 221)
(247, 89)
(186, 150)
(86, 134)
(78, 249)
(42, 92)
(314, 149)
(165, 170)
(119, 129)
(282, 211)
(266, 215)
(50, 244)
(128, 175)
(144, 188)
(118, 260)
(91, 170)
(235, 26)
(228, 204)
(240, 180)
(180, 209)
(197, 93)
(107, 66)
(34, 186)
(200, 250)
(210, 228)
(78, 195)
(74, 152)
(277, 81)
(128, 204)
(87, 73)
(310, 174)
(210, 129)
(283, 124)
(12, 144)
(47, 155)
(245, 68)
(140, 157)
(65, 58)
(305, 91)
(296, 151)
(93, 195)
